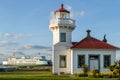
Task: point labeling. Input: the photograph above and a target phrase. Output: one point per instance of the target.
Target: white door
(93, 64)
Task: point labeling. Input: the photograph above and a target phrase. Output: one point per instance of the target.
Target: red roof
(62, 9)
(93, 43)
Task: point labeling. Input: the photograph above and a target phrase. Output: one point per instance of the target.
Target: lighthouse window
(62, 37)
(62, 61)
(63, 15)
(58, 15)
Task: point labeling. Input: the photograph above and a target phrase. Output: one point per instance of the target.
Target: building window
(62, 37)
(81, 60)
(62, 61)
(63, 15)
(107, 61)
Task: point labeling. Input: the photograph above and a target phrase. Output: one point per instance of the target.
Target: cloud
(68, 7)
(82, 13)
(77, 14)
(17, 36)
(7, 43)
(52, 15)
(74, 14)
(35, 47)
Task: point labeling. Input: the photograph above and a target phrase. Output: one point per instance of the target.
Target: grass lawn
(42, 76)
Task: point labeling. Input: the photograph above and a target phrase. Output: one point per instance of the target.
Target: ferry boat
(24, 61)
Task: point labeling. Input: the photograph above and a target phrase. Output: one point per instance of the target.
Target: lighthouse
(61, 26)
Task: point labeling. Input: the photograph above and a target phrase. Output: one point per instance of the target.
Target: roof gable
(93, 43)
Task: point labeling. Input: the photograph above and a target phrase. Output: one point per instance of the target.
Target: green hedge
(97, 75)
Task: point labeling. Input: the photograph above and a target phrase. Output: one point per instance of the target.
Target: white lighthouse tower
(61, 26)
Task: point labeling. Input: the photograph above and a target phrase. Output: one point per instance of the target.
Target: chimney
(88, 33)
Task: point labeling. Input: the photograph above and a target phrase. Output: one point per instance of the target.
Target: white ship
(23, 61)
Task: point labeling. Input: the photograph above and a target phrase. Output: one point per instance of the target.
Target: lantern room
(62, 13)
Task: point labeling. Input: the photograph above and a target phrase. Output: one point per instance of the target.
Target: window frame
(107, 62)
(65, 61)
(80, 63)
(62, 37)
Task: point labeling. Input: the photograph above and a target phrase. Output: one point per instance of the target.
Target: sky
(24, 24)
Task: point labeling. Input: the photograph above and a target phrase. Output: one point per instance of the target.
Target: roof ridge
(91, 42)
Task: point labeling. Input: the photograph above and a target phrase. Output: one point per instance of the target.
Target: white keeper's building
(69, 56)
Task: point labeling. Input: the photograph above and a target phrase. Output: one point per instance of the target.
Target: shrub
(77, 74)
(114, 66)
(95, 71)
(111, 67)
(85, 68)
(90, 74)
(80, 74)
(106, 74)
(115, 71)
